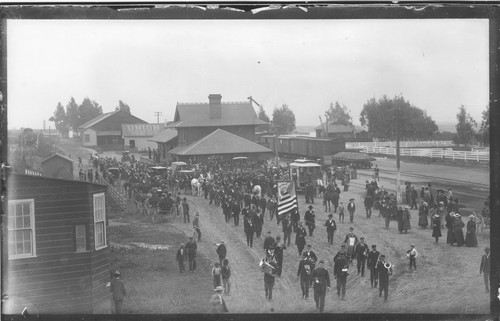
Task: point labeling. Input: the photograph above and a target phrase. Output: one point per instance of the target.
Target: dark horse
(329, 196)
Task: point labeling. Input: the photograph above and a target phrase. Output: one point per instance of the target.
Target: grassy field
(152, 277)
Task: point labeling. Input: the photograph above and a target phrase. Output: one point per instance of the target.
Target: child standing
(216, 273)
(412, 254)
(226, 274)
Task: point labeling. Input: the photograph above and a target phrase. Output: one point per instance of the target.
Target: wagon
(353, 159)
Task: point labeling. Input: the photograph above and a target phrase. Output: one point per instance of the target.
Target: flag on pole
(287, 199)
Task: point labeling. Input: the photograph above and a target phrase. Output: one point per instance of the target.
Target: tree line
(75, 115)
(385, 118)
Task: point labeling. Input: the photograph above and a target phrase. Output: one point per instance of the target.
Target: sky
(437, 65)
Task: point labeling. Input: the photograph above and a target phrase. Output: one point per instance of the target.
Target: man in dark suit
(371, 263)
(191, 248)
(321, 280)
(304, 273)
(485, 268)
(268, 241)
(278, 248)
(341, 262)
(119, 292)
(249, 230)
(360, 253)
(330, 228)
(235, 206)
(269, 279)
(287, 230)
(309, 218)
(311, 256)
(383, 277)
(300, 238)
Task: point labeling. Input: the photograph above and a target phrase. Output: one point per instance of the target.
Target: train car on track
(303, 146)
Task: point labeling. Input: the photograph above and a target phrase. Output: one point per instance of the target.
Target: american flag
(287, 199)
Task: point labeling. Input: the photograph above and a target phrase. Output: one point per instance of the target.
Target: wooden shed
(56, 255)
(58, 166)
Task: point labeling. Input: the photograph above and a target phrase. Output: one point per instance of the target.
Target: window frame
(31, 202)
(86, 138)
(97, 221)
(85, 236)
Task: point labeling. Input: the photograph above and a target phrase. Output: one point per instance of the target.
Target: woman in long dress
(450, 221)
(436, 227)
(458, 231)
(470, 237)
(423, 212)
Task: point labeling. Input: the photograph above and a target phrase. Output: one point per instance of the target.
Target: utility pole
(398, 179)
(157, 114)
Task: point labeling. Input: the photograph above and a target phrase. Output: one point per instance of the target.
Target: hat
(342, 245)
(374, 246)
(412, 245)
(425, 203)
(117, 273)
(362, 238)
(321, 261)
(310, 206)
(472, 216)
(441, 203)
(351, 199)
(330, 215)
(382, 256)
(219, 288)
(221, 242)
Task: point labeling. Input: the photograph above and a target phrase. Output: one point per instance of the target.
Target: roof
(335, 128)
(198, 115)
(57, 155)
(96, 120)
(164, 136)
(146, 130)
(220, 142)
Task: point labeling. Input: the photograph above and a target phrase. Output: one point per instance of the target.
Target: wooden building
(194, 121)
(105, 130)
(165, 141)
(223, 144)
(58, 166)
(56, 255)
(136, 137)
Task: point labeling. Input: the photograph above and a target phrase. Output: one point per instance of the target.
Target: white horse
(196, 187)
(257, 190)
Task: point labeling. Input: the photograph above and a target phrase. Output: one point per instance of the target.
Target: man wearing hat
(268, 278)
(350, 242)
(321, 281)
(341, 212)
(485, 268)
(360, 253)
(309, 218)
(304, 273)
(268, 241)
(330, 228)
(340, 271)
(414, 197)
(383, 277)
(300, 237)
(119, 291)
(217, 301)
(351, 207)
(191, 248)
(278, 248)
(372, 261)
(221, 251)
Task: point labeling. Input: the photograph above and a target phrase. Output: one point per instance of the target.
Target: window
(81, 238)
(87, 138)
(132, 143)
(99, 221)
(21, 225)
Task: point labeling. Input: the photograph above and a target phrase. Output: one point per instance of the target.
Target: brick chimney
(215, 106)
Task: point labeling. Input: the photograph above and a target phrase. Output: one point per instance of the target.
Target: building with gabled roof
(54, 241)
(165, 140)
(136, 137)
(57, 166)
(106, 130)
(221, 143)
(194, 121)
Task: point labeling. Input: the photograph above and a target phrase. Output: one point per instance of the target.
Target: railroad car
(302, 146)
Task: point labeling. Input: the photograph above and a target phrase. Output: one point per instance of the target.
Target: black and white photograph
(303, 165)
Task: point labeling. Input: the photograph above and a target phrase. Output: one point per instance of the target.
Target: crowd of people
(234, 190)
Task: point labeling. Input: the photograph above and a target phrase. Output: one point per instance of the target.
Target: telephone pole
(157, 114)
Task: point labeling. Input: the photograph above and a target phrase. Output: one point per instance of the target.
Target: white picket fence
(427, 143)
(474, 156)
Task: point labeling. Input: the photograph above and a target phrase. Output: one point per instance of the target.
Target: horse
(320, 187)
(257, 190)
(196, 187)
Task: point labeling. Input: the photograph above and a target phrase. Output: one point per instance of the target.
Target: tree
(262, 115)
(72, 114)
(88, 110)
(283, 120)
(123, 107)
(339, 115)
(465, 127)
(484, 130)
(60, 120)
(385, 115)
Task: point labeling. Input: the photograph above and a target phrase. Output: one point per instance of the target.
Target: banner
(287, 199)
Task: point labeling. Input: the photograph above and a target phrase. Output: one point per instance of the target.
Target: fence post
(477, 154)
(465, 156)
